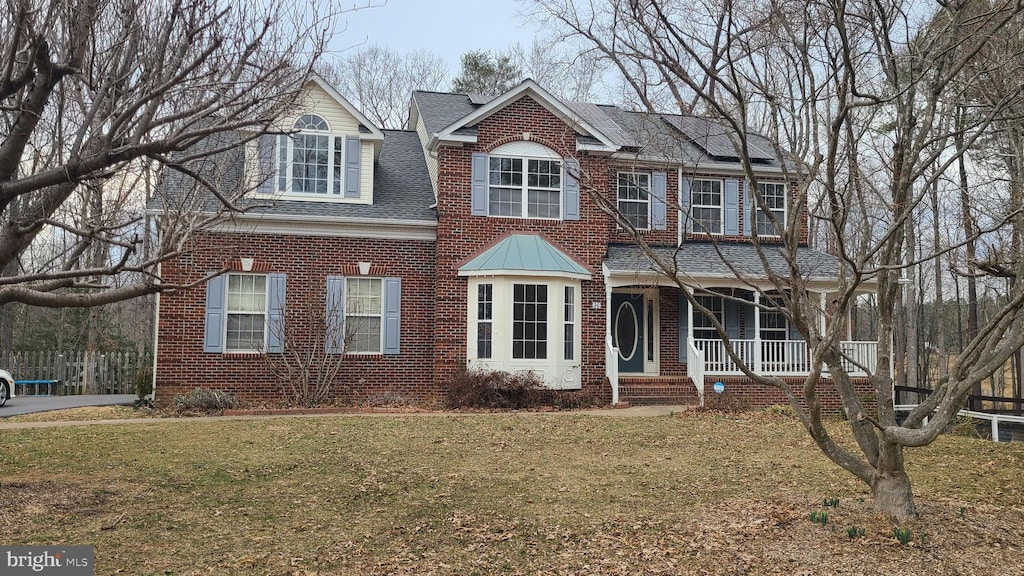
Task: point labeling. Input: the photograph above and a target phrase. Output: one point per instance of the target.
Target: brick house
(476, 239)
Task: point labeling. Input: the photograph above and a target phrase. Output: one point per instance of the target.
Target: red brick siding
(307, 261)
(794, 191)
(461, 235)
(667, 237)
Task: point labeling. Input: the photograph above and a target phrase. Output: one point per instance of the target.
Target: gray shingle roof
(401, 189)
(441, 109)
(702, 260)
(686, 138)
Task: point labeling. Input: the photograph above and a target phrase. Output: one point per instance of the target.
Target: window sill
(326, 198)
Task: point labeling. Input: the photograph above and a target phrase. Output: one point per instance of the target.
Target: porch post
(822, 302)
(611, 368)
(689, 317)
(757, 332)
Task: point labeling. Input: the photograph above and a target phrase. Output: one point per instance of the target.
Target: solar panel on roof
(593, 115)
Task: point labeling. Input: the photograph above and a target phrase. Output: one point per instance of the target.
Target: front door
(628, 331)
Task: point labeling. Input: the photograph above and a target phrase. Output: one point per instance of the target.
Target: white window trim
(697, 227)
(228, 312)
(646, 202)
(784, 210)
(699, 314)
(524, 189)
(555, 371)
(278, 193)
(349, 337)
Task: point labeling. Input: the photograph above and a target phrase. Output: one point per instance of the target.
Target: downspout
(156, 334)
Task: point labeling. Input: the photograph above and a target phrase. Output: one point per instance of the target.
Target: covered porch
(653, 333)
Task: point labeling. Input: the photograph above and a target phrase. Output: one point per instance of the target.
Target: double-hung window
(246, 313)
(774, 324)
(524, 187)
(485, 321)
(774, 196)
(311, 160)
(530, 321)
(569, 325)
(363, 312)
(634, 198)
(706, 206)
(703, 328)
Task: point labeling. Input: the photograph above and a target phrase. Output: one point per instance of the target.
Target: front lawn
(486, 494)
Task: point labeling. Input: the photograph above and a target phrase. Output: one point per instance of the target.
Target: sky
(447, 28)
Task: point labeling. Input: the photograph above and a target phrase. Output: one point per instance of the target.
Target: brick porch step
(657, 391)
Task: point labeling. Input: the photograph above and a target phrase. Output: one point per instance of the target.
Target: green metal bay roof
(523, 255)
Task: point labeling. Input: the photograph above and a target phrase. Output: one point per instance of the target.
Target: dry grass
(505, 494)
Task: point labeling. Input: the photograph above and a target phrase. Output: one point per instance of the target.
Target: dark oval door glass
(626, 330)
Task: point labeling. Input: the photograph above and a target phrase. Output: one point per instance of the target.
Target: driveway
(29, 404)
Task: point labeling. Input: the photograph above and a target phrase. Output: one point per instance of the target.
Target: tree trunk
(939, 309)
(971, 235)
(910, 307)
(890, 485)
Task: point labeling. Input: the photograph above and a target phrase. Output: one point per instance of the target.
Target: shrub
(492, 389)
(205, 400)
(144, 382)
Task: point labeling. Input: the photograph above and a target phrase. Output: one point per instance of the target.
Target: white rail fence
(994, 419)
(78, 372)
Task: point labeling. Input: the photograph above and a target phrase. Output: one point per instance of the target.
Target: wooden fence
(80, 372)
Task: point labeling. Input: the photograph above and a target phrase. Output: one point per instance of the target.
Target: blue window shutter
(732, 318)
(684, 328)
(275, 312)
(392, 315)
(334, 340)
(283, 163)
(684, 204)
(213, 336)
(748, 210)
(571, 190)
(749, 322)
(353, 161)
(658, 198)
(732, 207)
(478, 204)
(265, 159)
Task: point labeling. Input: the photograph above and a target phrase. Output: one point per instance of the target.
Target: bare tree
(858, 100)
(307, 347)
(101, 99)
(379, 81)
(571, 74)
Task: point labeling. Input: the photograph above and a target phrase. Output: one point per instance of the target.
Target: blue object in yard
(719, 387)
(37, 385)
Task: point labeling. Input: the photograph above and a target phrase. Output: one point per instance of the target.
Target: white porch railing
(776, 357)
(611, 366)
(695, 366)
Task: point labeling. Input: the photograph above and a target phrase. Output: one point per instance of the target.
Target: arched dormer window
(311, 160)
(312, 122)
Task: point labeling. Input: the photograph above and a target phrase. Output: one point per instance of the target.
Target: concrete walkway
(31, 404)
(631, 412)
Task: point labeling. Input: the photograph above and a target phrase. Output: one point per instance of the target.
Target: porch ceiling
(705, 260)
